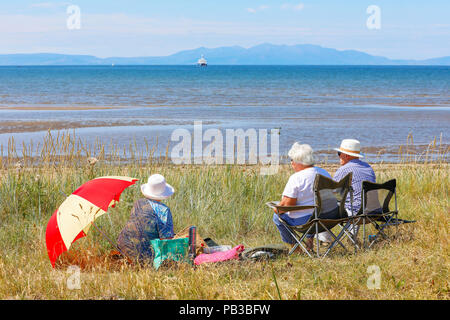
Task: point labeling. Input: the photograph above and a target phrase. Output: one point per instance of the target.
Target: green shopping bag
(174, 249)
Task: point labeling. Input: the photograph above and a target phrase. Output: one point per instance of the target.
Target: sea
(384, 107)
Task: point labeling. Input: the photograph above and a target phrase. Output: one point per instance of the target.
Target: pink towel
(219, 256)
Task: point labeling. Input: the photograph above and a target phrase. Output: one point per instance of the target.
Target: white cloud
(41, 5)
(49, 5)
(289, 6)
(260, 8)
(121, 24)
(21, 24)
(284, 6)
(299, 6)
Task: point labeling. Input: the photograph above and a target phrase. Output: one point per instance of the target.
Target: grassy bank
(226, 203)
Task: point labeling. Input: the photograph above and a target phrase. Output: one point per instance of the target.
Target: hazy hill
(263, 54)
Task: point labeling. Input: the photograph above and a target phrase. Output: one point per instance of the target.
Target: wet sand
(413, 105)
(63, 108)
(80, 108)
(401, 149)
(36, 126)
(307, 125)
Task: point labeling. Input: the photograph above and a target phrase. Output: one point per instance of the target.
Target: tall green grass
(226, 203)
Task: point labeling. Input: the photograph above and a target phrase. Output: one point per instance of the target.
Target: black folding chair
(374, 210)
(328, 212)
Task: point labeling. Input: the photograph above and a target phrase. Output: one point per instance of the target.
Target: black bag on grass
(265, 252)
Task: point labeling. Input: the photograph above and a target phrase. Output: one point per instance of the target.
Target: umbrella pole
(109, 240)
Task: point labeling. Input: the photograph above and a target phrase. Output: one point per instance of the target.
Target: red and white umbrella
(72, 220)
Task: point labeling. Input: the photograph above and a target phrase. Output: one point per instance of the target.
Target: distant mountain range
(263, 54)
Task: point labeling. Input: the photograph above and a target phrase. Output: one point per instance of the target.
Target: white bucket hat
(351, 147)
(157, 188)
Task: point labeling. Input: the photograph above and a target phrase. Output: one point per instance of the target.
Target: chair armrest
(274, 205)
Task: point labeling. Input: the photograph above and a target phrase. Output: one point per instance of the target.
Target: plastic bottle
(216, 249)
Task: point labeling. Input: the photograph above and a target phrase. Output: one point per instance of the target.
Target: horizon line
(224, 65)
(229, 46)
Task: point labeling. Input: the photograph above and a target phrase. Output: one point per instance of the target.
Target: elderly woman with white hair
(299, 191)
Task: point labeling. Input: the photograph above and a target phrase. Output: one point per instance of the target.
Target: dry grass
(226, 203)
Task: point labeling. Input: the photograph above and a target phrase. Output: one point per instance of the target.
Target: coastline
(152, 125)
(56, 107)
(386, 153)
(44, 126)
(38, 126)
(60, 108)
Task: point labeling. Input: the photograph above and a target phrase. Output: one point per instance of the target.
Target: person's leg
(353, 229)
(325, 237)
(309, 243)
(284, 233)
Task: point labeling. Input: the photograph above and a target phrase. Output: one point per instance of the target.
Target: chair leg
(336, 241)
(293, 249)
(332, 234)
(318, 241)
(396, 225)
(299, 242)
(353, 237)
(393, 218)
(379, 228)
(364, 233)
(345, 233)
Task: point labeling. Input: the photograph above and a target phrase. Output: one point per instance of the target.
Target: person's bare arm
(286, 201)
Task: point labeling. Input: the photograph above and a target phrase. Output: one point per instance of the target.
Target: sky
(398, 29)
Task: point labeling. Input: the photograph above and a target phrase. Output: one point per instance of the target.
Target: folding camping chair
(374, 210)
(328, 212)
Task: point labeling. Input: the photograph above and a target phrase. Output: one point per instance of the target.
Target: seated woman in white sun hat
(149, 219)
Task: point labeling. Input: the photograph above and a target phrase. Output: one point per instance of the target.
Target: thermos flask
(192, 241)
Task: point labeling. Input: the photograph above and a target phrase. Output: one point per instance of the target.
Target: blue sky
(408, 30)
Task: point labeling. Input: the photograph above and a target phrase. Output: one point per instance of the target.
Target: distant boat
(202, 62)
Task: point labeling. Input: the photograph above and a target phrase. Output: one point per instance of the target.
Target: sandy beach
(36, 126)
(56, 107)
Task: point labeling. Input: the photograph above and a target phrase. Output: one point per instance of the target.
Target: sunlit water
(318, 105)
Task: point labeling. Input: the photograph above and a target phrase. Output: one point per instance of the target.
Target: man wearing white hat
(149, 219)
(350, 159)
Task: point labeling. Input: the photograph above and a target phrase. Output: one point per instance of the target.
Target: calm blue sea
(225, 85)
(319, 105)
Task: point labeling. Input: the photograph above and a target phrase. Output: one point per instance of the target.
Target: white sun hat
(351, 147)
(157, 188)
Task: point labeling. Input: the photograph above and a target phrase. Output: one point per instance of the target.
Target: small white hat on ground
(157, 188)
(351, 147)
